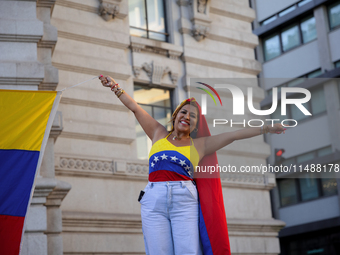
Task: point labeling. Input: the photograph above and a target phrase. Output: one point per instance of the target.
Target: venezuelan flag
(26, 120)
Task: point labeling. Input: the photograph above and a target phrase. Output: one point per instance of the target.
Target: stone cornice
(254, 227)
(58, 194)
(20, 81)
(46, 3)
(93, 40)
(86, 8)
(138, 170)
(57, 126)
(93, 104)
(30, 31)
(20, 38)
(95, 72)
(77, 6)
(139, 44)
(131, 223)
(232, 11)
(256, 65)
(98, 138)
(101, 222)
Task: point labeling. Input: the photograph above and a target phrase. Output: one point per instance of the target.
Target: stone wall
(95, 152)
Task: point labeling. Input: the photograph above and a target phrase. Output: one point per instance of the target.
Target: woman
(175, 220)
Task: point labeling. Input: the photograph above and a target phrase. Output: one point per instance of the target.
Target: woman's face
(186, 119)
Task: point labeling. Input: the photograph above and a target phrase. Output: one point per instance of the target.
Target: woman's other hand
(107, 81)
(277, 128)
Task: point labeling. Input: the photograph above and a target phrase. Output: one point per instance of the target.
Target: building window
(288, 193)
(304, 2)
(156, 102)
(317, 105)
(288, 10)
(308, 187)
(297, 190)
(272, 47)
(337, 64)
(318, 102)
(284, 12)
(296, 81)
(290, 37)
(308, 29)
(334, 15)
(308, 156)
(147, 19)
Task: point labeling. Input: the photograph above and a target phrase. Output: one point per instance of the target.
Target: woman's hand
(107, 81)
(277, 128)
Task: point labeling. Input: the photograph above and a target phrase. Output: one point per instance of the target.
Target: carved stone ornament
(148, 69)
(201, 6)
(136, 70)
(156, 72)
(109, 9)
(199, 32)
(200, 19)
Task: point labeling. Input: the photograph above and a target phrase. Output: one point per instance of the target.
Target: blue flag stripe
(17, 172)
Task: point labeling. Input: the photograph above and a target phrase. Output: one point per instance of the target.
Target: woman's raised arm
(216, 142)
(150, 126)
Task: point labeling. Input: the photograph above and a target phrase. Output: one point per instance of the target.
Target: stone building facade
(85, 200)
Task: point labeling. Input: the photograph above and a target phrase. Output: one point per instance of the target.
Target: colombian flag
(26, 120)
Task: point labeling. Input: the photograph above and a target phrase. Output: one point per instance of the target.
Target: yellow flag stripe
(24, 116)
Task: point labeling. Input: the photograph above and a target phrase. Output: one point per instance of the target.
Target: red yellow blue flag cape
(26, 120)
(213, 223)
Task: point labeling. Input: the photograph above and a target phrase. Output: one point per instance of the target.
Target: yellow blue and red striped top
(168, 162)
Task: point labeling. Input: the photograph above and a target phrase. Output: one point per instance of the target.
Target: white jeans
(170, 214)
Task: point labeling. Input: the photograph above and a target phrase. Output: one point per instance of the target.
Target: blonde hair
(178, 108)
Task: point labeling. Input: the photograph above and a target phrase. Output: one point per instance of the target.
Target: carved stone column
(35, 241)
(46, 45)
(54, 218)
(200, 19)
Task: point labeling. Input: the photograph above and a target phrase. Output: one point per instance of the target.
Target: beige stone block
(29, 27)
(102, 195)
(54, 245)
(8, 69)
(244, 39)
(34, 243)
(50, 33)
(33, 70)
(247, 204)
(235, 11)
(79, 63)
(18, 10)
(51, 74)
(44, 14)
(54, 225)
(94, 148)
(249, 245)
(92, 34)
(81, 49)
(15, 51)
(29, 69)
(89, 19)
(230, 23)
(103, 243)
(36, 218)
(97, 121)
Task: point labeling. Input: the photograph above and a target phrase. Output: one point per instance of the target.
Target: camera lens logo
(204, 97)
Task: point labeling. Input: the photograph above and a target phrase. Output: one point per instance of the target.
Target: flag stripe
(10, 234)
(16, 179)
(26, 115)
